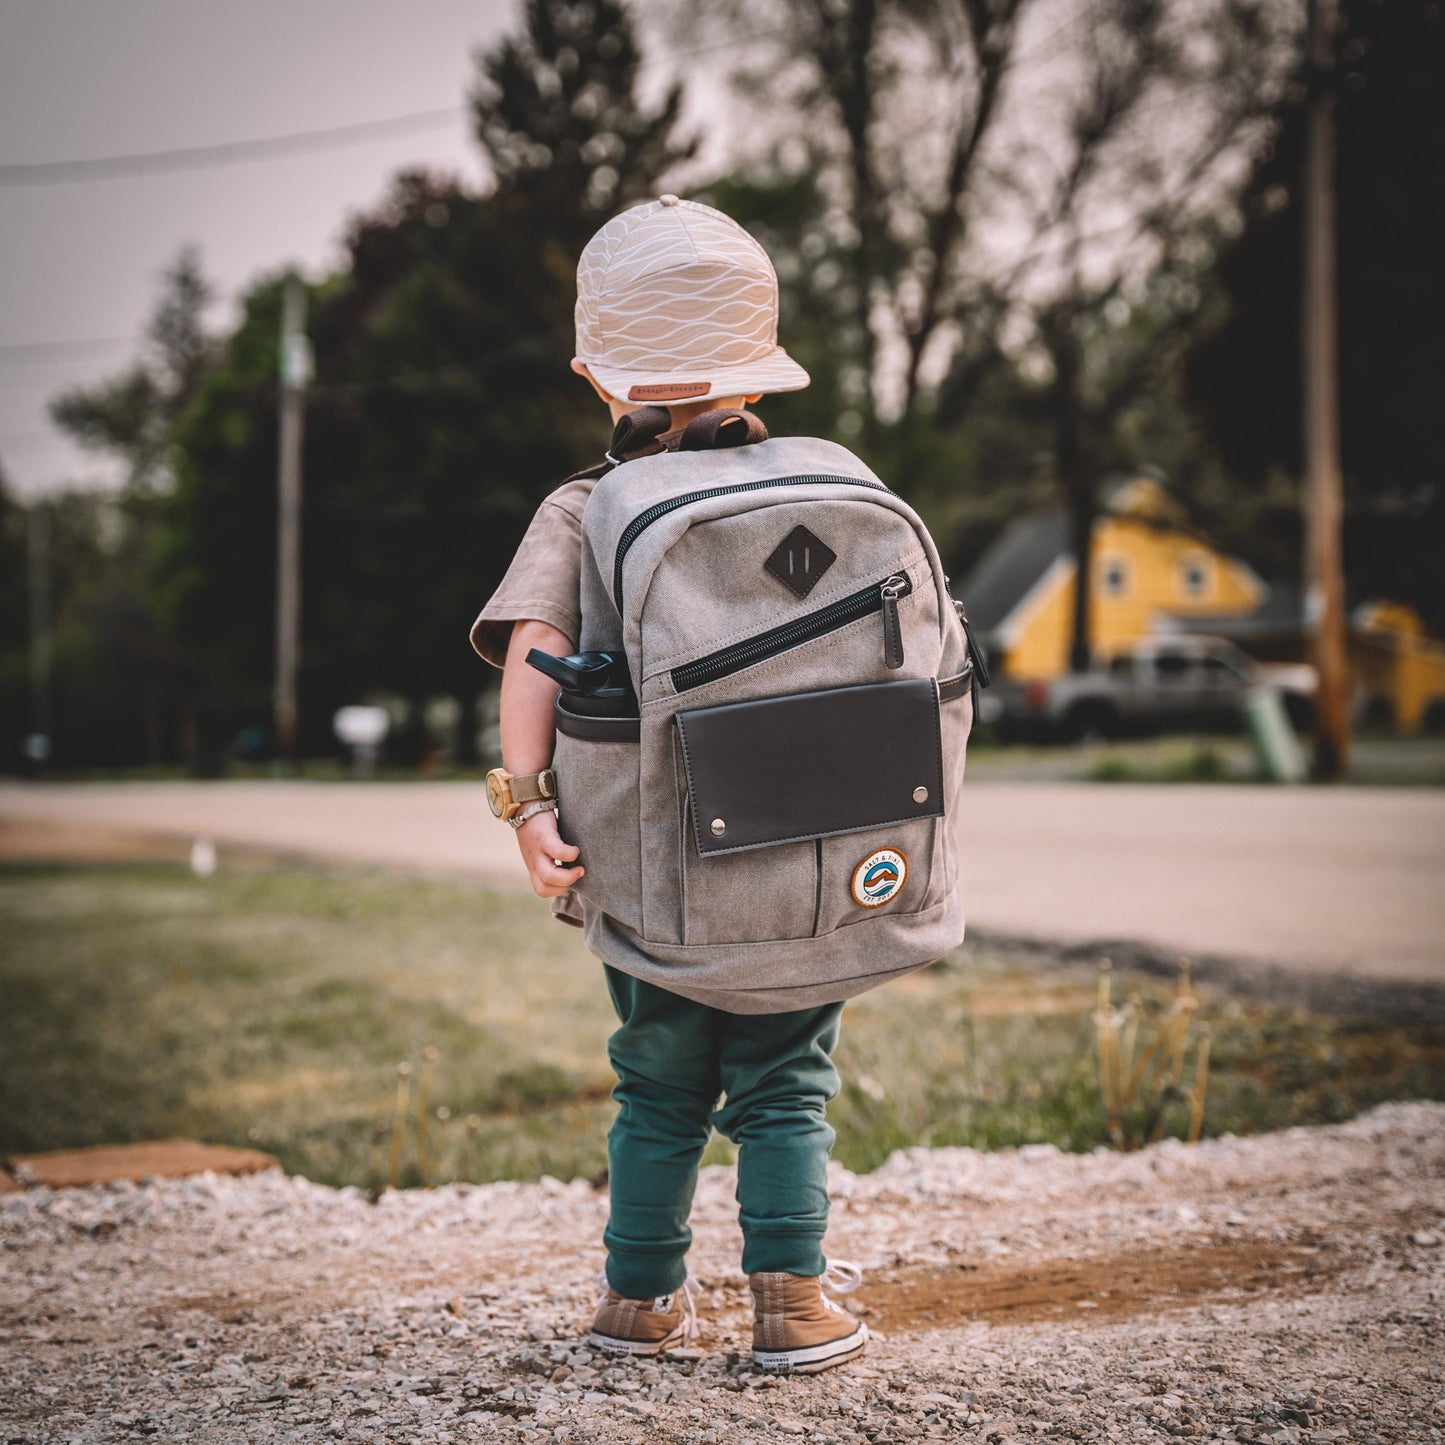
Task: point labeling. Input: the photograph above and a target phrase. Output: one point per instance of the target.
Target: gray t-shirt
(544, 579)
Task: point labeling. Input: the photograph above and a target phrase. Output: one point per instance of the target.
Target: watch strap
(529, 787)
(544, 805)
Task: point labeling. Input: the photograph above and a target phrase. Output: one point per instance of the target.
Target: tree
(443, 409)
(558, 115)
(891, 104)
(15, 720)
(107, 620)
(1044, 220)
(966, 481)
(1243, 372)
(132, 415)
(109, 667)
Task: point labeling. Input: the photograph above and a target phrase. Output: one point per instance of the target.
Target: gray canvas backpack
(767, 804)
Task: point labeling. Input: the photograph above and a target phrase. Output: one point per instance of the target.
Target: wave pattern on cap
(656, 285)
(656, 341)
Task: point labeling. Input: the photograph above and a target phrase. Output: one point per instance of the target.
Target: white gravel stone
(265, 1309)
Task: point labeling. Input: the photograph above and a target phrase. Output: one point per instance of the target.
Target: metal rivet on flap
(920, 795)
(719, 827)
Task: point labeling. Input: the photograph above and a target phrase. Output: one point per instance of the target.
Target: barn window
(1113, 576)
(1196, 576)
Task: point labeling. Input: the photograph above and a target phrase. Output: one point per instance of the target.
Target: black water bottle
(594, 684)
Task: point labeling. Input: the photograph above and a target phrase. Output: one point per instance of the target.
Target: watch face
(497, 794)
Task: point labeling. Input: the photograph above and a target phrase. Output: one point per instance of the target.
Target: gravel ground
(1286, 1288)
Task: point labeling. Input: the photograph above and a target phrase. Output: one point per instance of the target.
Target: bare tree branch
(991, 28)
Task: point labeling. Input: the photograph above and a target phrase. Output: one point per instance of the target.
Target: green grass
(1375, 761)
(1203, 764)
(273, 1007)
(1414, 762)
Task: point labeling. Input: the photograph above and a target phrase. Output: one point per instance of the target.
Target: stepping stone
(105, 1163)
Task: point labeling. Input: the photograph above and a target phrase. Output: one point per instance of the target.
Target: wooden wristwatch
(509, 793)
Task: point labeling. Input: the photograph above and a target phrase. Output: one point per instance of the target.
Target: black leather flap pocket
(809, 764)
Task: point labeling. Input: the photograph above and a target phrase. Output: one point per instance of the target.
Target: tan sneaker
(797, 1329)
(625, 1326)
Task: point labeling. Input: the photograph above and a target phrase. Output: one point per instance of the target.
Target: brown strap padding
(716, 430)
(636, 434)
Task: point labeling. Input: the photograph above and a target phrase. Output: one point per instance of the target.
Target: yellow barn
(1153, 573)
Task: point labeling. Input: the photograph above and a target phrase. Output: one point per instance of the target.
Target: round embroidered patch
(879, 877)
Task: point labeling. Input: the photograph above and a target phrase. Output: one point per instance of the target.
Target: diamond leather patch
(800, 559)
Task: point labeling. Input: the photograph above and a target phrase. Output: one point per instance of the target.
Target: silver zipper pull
(892, 589)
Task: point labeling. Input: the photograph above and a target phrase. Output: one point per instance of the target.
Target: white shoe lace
(843, 1276)
(691, 1287)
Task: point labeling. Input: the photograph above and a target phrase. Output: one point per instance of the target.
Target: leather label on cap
(668, 390)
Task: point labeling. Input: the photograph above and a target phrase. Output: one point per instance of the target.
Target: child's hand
(541, 846)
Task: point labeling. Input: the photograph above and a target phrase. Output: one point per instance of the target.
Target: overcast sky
(81, 262)
(81, 79)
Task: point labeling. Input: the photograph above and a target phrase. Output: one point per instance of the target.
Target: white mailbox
(363, 730)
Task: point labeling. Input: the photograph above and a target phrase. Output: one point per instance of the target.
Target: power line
(198, 158)
(194, 158)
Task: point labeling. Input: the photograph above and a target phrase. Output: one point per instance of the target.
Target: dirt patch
(46, 840)
(29, 839)
(909, 1300)
(158, 1158)
(1143, 1281)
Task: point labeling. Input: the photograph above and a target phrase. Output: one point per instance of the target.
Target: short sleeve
(544, 579)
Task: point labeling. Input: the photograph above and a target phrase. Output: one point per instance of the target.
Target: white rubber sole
(812, 1358)
(614, 1345)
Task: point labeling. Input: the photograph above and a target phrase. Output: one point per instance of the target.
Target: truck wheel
(1086, 721)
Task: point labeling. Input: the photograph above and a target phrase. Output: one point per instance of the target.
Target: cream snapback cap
(676, 302)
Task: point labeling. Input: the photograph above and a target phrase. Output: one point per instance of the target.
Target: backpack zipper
(889, 591)
(640, 523)
(882, 596)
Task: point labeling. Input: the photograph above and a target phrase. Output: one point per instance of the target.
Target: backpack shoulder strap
(726, 427)
(636, 435)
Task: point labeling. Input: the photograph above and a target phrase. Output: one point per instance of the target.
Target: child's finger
(553, 880)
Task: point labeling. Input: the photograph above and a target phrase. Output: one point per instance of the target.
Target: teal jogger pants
(673, 1057)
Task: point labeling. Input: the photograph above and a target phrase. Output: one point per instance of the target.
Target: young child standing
(676, 305)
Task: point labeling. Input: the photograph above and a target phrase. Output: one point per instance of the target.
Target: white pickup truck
(1163, 684)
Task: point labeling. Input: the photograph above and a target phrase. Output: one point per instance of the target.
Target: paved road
(1349, 880)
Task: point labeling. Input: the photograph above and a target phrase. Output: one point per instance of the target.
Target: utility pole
(295, 374)
(37, 743)
(1324, 506)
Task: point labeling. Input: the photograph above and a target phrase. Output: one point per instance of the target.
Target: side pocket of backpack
(956, 721)
(597, 762)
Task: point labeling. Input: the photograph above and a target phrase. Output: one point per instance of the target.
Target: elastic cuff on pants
(791, 1253)
(645, 1276)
